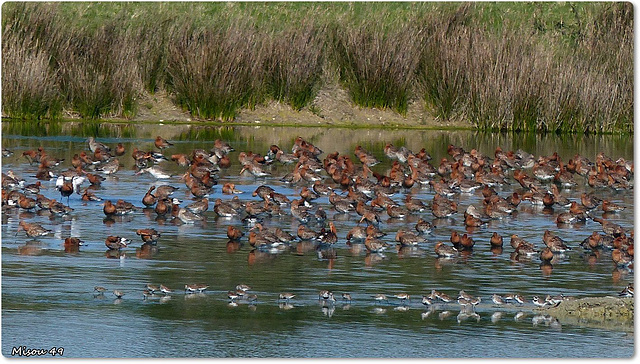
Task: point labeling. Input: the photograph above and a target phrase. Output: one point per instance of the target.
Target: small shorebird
(286, 296)
(118, 293)
(427, 301)
(380, 297)
(242, 287)
(627, 291)
(99, 289)
(403, 297)
(519, 298)
(164, 289)
(497, 299)
(538, 301)
(325, 295)
(442, 296)
(232, 295)
(190, 288)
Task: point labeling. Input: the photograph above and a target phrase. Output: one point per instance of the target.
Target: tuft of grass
(215, 72)
(376, 66)
(293, 68)
(441, 75)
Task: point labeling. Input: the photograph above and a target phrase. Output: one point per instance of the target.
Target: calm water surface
(47, 298)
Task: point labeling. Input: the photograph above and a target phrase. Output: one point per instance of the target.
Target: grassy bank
(506, 66)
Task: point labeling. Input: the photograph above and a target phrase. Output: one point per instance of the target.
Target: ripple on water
(52, 287)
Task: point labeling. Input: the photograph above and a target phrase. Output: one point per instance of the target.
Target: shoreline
(158, 109)
(611, 313)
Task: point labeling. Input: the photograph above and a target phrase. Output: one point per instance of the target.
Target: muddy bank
(331, 107)
(610, 313)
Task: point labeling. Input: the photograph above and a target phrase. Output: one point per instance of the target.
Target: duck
(233, 233)
(444, 251)
(161, 143)
(555, 243)
(224, 209)
(609, 227)
(396, 212)
(496, 240)
(33, 230)
(116, 242)
(328, 236)
(148, 236)
(608, 206)
(409, 239)
(230, 188)
(621, 258)
(423, 226)
(198, 207)
(546, 255)
(305, 233)
(374, 245)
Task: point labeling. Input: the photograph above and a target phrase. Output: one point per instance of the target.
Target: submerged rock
(604, 312)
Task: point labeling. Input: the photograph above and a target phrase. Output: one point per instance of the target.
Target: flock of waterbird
(352, 189)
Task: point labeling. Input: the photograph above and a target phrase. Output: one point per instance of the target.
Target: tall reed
(29, 86)
(377, 66)
(293, 68)
(40, 96)
(215, 72)
(521, 73)
(98, 73)
(441, 72)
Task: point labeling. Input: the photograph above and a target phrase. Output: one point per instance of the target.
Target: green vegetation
(560, 67)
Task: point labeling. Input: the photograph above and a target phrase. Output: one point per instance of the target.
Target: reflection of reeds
(525, 74)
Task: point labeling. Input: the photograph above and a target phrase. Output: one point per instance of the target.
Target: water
(47, 298)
